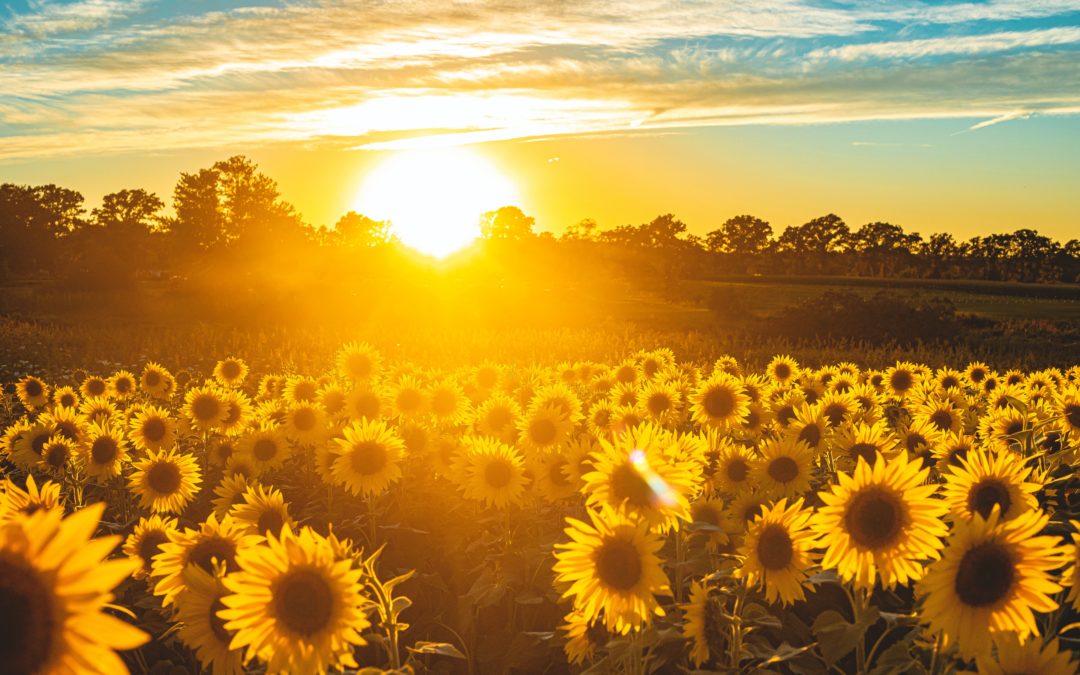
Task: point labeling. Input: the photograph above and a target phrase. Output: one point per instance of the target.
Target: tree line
(232, 212)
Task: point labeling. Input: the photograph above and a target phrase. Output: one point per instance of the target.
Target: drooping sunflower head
(1014, 657)
(262, 510)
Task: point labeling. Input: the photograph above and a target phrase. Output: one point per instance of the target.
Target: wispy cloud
(997, 120)
(98, 76)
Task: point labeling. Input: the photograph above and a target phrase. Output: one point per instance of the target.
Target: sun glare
(434, 197)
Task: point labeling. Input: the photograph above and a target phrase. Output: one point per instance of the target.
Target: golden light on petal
(434, 197)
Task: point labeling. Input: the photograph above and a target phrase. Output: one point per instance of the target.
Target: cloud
(54, 18)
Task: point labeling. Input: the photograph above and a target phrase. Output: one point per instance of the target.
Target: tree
(128, 211)
(583, 230)
(508, 223)
(744, 234)
(199, 224)
(32, 219)
(815, 241)
(354, 229)
(883, 246)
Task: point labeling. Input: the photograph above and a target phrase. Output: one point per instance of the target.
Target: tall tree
(743, 234)
(354, 229)
(508, 223)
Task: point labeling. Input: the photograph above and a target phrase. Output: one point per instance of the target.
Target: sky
(959, 117)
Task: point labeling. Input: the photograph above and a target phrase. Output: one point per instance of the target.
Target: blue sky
(988, 92)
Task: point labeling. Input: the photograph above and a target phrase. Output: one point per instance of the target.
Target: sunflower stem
(680, 563)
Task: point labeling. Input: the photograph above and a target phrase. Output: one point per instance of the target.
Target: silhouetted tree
(583, 230)
(508, 223)
(812, 243)
(883, 247)
(31, 220)
(744, 234)
(354, 229)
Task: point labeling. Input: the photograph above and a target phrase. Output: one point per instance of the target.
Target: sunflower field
(637, 515)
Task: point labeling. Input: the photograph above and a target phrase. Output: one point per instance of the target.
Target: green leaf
(837, 636)
(895, 660)
(437, 649)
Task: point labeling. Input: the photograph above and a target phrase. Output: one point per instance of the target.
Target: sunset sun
(434, 197)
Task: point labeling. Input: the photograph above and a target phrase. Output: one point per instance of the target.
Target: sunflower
(230, 491)
(242, 464)
(901, 379)
(1001, 428)
(919, 438)
(579, 453)
(704, 626)
(146, 539)
(661, 403)
(742, 510)
(782, 468)
(782, 369)
(498, 417)
(486, 376)
(447, 403)
(105, 451)
(300, 389)
(152, 429)
(408, 398)
(550, 477)
(262, 510)
(231, 372)
(583, 637)
(296, 604)
(65, 397)
(15, 500)
(32, 391)
(838, 408)
(610, 568)
(863, 440)
(157, 381)
(734, 462)
(811, 427)
(97, 409)
(947, 378)
(94, 386)
(880, 521)
(777, 551)
(58, 456)
(719, 402)
(991, 578)
(333, 400)
(221, 449)
(976, 372)
(493, 472)
(238, 412)
(201, 629)
(214, 540)
(266, 446)
(305, 423)
(1067, 408)
(54, 582)
(624, 394)
(544, 427)
(707, 516)
(205, 407)
(67, 423)
(26, 449)
(941, 413)
(359, 362)
(634, 476)
(165, 481)
(626, 372)
(984, 480)
(600, 419)
(366, 403)
(1023, 658)
(367, 460)
(271, 387)
(122, 385)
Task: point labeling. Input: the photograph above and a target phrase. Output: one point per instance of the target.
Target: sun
(434, 196)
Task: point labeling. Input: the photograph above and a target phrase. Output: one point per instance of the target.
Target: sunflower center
(774, 548)
(217, 624)
(34, 389)
(123, 385)
(205, 408)
(96, 387)
(751, 511)
(232, 413)
(443, 402)
(658, 404)
(367, 405)
(56, 455)
(914, 441)
(811, 434)
(150, 545)
(409, 400)
(835, 414)
(542, 431)
(305, 391)
(628, 485)
(264, 449)
(67, 401)
(942, 419)
(152, 378)
(498, 473)
(153, 429)
(359, 366)
(752, 420)
(27, 623)
(68, 430)
(901, 380)
(1072, 415)
(38, 443)
(874, 518)
(618, 564)
(626, 374)
(368, 457)
(270, 520)
(164, 478)
(868, 451)
(1014, 428)
(211, 548)
(104, 450)
(230, 370)
(985, 575)
(304, 602)
(986, 494)
(950, 382)
(782, 371)
(978, 375)
(719, 403)
(783, 469)
(785, 414)
(304, 419)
